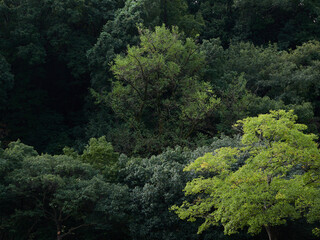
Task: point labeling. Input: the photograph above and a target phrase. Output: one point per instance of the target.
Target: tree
(288, 22)
(6, 83)
(114, 38)
(100, 155)
(45, 196)
(116, 34)
(54, 188)
(176, 13)
(46, 43)
(273, 178)
(299, 74)
(219, 18)
(252, 80)
(42, 197)
(158, 91)
(156, 183)
(6, 80)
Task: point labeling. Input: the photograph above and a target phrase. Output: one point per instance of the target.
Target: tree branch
(73, 229)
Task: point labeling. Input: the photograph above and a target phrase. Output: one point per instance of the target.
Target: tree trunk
(59, 237)
(165, 12)
(272, 232)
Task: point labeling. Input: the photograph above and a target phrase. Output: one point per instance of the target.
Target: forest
(159, 119)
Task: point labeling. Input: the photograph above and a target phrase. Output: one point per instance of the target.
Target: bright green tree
(279, 180)
(99, 153)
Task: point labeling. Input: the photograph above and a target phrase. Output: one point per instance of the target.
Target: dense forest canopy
(103, 103)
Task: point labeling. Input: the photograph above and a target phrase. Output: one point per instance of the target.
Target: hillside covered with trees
(119, 119)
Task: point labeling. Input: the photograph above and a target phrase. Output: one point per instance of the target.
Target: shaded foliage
(107, 77)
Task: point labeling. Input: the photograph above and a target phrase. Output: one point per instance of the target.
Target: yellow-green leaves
(100, 154)
(219, 162)
(277, 181)
(199, 103)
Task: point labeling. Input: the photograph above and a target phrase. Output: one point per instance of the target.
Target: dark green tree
(46, 43)
(56, 196)
(6, 81)
(157, 182)
(289, 22)
(251, 80)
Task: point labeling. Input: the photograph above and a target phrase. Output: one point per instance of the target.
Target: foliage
(276, 182)
(219, 19)
(57, 190)
(74, 70)
(114, 38)
(99, 153)
(285, 22)
(45, 43)
(251, 80)
(6, 80)
(155, 184)
(122, 30)
(158, 92)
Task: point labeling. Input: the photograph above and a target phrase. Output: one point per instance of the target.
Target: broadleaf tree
(278, 181)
